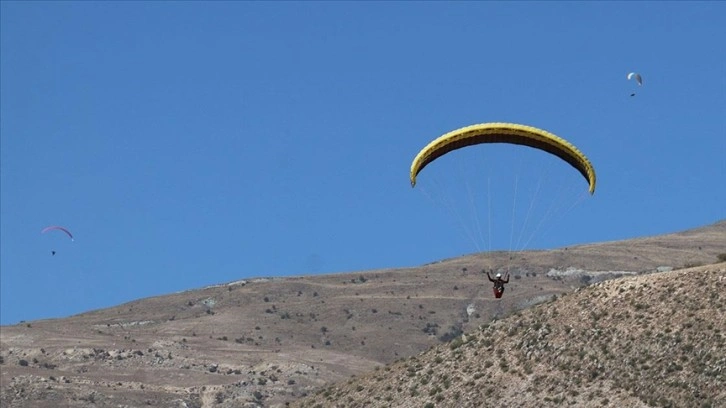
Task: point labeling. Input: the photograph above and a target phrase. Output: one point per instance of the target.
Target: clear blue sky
(188, 144)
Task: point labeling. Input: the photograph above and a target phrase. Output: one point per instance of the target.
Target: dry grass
(655, 340)
(267, 342)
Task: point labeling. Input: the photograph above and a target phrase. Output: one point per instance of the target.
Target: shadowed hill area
(270, 341)
(654, 340)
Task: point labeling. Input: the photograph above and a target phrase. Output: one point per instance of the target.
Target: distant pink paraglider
(59, 228)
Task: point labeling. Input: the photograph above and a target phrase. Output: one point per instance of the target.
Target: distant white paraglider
(638, 78)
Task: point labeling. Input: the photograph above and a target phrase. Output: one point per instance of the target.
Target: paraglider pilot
(498, 284)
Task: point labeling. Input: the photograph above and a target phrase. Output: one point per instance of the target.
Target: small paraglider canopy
(638, 78)
(58, 228)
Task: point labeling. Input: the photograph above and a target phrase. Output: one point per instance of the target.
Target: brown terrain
(657, 340)
(630, 323)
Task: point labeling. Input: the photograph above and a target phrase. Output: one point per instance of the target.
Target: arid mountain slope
(265, 342)
(652, 340)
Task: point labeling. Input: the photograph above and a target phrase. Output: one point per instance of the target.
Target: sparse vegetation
(644, 339)
(542, 349)
(692, 264)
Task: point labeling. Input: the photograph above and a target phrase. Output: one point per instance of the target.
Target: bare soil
(270, 341)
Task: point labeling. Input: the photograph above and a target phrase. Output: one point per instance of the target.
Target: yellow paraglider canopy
(504, 133)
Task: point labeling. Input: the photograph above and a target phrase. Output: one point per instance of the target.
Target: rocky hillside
(653, 340)
(266, 342)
